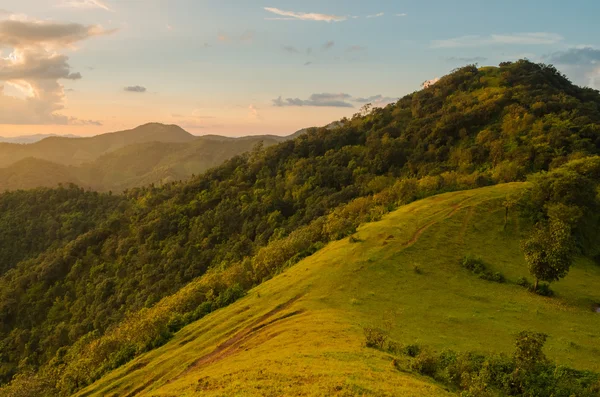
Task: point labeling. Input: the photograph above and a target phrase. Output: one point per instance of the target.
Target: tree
(549, 251)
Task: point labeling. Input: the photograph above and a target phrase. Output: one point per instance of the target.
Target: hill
(138, 164)
(166, 256)
(76, 151)
(301, 333)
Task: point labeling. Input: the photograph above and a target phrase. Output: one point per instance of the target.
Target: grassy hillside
(301, 333)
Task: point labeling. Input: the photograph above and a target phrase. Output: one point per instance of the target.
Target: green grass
(301, 332)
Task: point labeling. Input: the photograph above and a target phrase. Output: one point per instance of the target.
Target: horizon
(88, 67)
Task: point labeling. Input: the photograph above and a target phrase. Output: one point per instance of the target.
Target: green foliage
(179, 249)
(478, 267)
(527, 373)
(375, 337)
(549, 251)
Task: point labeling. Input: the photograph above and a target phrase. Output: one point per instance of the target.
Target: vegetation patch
(528, 372)
(478, 267)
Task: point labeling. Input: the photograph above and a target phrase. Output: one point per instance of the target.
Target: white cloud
(376, 15)
(34, 66)
(291, 15)
(340, 100)
(89, 4)
(403, 14)
(539, 38)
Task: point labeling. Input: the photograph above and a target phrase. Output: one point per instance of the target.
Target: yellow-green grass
(301, 333)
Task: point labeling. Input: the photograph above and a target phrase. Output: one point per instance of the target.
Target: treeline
(239, 223)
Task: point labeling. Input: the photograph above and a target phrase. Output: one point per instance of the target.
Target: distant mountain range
(24, 139)
(151, 153)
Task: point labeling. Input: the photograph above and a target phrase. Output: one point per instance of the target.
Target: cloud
(329, 45)
(332, 100)
(376, 15)
(86, 4)
(539, 38)
(582, 64)
(377, 100)
(291, 15)
(18, 33)
(291, 49)
(318, 100)
(576, 56)
(135, 88)
(34, 67)
(402, 14)
(466, 59)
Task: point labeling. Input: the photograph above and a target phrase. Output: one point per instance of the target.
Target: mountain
(25, 139)
(70, 151)
(123, 287)
(132, 165)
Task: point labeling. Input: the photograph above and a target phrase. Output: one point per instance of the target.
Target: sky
(247, 67)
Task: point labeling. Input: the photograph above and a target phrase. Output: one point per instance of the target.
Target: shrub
(523, 282)
(375, 337)
(495, 277)
(544, 290)
(473, 264)
(477, 266)
(426, 363)
(412, 350)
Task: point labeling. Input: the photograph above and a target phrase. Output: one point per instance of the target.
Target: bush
(477, 266)
(523, 282)
(375, 337)
(412, 350)
(544, 290)
(495, 277)
(474, 264)
(426, 363)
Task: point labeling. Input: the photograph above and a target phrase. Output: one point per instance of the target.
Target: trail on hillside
(233, 344)
(422, 229)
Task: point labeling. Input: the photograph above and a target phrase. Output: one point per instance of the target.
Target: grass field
(301, 332)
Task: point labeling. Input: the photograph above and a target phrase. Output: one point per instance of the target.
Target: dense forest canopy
(119, 255)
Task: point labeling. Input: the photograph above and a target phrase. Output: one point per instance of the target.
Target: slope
(301, 332)
(131, 166)
(92, 298)
(75, 151)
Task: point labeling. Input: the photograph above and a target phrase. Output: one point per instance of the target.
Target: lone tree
(549, 251)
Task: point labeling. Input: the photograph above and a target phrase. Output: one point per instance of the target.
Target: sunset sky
(247, 67)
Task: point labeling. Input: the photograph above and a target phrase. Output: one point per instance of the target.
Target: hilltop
(96, 294)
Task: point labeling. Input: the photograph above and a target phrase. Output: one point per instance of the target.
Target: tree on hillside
(549, 251)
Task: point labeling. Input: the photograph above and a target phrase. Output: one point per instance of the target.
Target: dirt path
(422, 229)
(232, 345)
